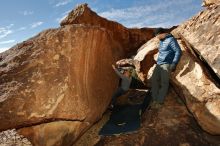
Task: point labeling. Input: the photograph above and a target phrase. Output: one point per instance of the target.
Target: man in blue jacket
(169, 55)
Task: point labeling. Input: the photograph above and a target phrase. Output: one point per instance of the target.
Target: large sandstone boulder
(57, 76)
(64, 75)
(202, 32)
(145, 61)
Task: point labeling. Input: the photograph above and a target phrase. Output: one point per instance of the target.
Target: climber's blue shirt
(169, 51)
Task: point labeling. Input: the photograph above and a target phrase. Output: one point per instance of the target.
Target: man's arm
(175, 46)
(117, 72)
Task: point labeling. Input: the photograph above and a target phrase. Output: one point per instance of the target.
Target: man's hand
(113, 66)
(173, 67)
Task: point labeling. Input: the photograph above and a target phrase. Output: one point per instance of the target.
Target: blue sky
(22, 19)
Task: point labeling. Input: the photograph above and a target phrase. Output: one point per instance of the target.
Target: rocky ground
(12, 138)
(169, 125)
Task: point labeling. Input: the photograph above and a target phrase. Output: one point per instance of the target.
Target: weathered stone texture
(203, 32)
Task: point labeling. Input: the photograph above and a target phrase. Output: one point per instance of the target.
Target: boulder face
(63, 74)
(56, 75)
(202, 32)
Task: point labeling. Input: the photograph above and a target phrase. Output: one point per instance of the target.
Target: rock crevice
(208, 70)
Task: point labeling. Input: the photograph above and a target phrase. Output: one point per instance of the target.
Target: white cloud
(5, 31)
(61, 19)
(10, 26)
(62, 3)
(134, 12)
(64, 15)
(67, 12)
(36, 24)
(25, 13)
(7, 42)
(22, 28)
(164, 14)
(3, 49)
(163, 24)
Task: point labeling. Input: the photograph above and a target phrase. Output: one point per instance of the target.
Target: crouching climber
(126, 78)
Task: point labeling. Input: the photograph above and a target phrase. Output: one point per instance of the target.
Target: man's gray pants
(160, 82)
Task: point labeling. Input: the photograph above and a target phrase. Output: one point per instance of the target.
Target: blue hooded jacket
(169, 51)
